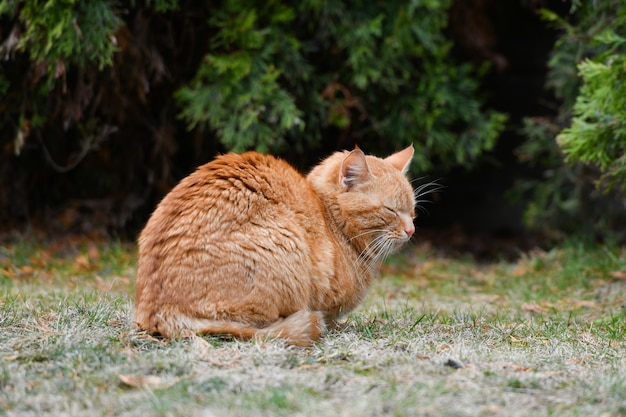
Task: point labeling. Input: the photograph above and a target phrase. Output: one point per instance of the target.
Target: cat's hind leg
(301, 328)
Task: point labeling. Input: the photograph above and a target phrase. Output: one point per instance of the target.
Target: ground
(541, 335)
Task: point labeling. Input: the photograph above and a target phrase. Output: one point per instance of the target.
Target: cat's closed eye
(390, 210)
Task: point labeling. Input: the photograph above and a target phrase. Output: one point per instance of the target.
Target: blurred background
(518, 107)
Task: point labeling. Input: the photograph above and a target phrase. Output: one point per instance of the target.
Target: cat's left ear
(354, 169)
(401, 160)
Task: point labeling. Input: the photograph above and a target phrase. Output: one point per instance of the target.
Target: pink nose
(410, 230)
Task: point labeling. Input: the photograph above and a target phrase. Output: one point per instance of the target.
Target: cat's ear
(354, 169)
(401, 160)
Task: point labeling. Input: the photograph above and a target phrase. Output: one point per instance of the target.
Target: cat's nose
(410, 230)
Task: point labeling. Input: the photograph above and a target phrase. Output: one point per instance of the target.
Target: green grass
(543, 336)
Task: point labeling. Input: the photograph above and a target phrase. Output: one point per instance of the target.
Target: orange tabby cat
(249, 247)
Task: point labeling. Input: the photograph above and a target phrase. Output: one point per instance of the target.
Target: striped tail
(302, 328)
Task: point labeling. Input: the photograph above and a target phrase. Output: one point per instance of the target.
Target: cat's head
(369, 197)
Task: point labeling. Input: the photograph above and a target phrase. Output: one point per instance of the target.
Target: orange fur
(247, 246)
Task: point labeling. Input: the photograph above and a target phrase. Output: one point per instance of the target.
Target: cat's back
(233, 188)
(251, 173)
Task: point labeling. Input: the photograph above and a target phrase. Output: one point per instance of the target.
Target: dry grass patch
(441, 337)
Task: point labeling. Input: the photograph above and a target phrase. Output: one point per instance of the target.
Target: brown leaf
(520, 270)
(519, 368)
(8, 273)
(26, 270)
(147, 381)
(102, 285)
(42, 259)
(579, 361)
(491, 409)
(620, 275)
(82, 262)
(443, 347)
(533, 308)
(583, 303)
(93, 253)
(45, 329)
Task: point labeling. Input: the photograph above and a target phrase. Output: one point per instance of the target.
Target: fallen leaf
(580, 361)
(533, 308)
(584, 303)
(485, 298)
(42, 258)
(147, 381)
(491, 409)
(26, 270)
(520, 270)
(201, 347)
(8, 273)
(82, 262)
(424, 268)
(43, 326)
(621, 275)
(101, 284)
(443, 347)
(93, 253)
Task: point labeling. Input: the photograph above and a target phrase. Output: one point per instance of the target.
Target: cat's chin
(398, 242)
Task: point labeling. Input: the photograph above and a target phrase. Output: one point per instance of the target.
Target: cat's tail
(302, 328)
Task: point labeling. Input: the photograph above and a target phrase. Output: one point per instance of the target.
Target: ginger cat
(247, 246)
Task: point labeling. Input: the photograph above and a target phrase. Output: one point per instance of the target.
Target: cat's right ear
(354, 169)
(401, 160)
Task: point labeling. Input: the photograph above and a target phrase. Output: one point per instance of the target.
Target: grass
(542, 336)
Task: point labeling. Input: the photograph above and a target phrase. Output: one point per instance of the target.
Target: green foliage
(60, 33)
(55, 36)
(160, 5)
(236, 90)
(597, 134)
(280, 72)
(587, 137)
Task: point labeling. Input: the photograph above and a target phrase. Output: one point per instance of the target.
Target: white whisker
(366, 233)
(366, 257)
(375, 252)
(424, 190)
(428, 188)
(417, 179)
(422, 208)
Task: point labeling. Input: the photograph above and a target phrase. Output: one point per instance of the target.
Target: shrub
(597, 134)
(584, 143)
(282, 74)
